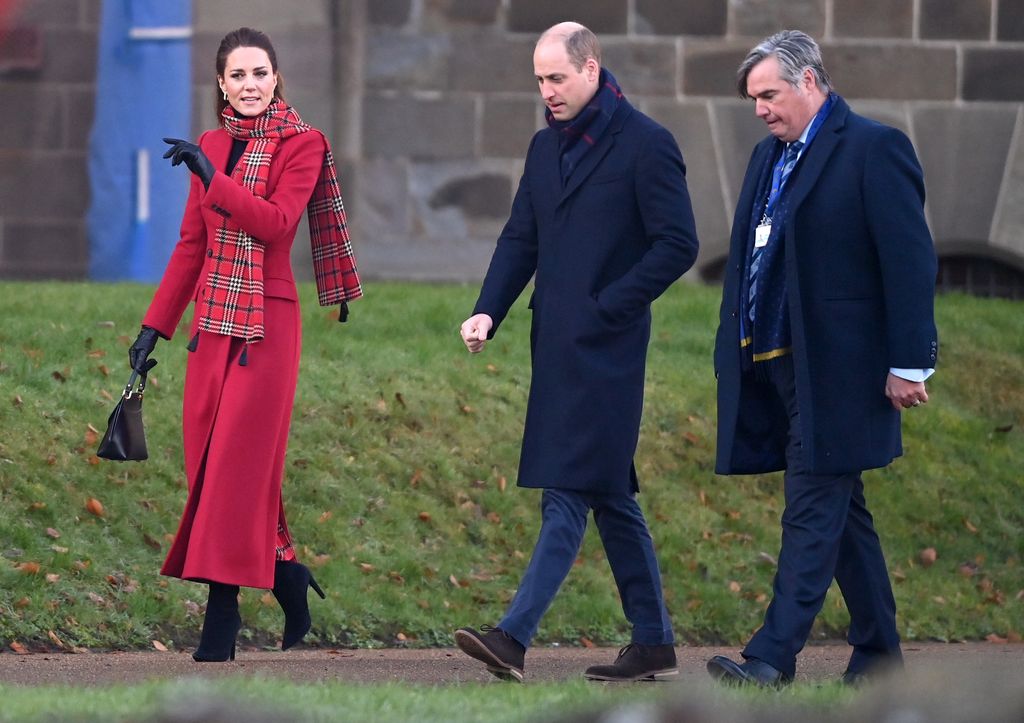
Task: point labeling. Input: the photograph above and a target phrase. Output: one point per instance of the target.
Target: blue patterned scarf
(771, 335)
(588, 125)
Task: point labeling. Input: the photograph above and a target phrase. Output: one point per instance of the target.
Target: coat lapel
(593, 157)
(818, 154)
(217, 149)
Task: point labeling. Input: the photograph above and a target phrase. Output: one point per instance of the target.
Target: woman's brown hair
(245, 38)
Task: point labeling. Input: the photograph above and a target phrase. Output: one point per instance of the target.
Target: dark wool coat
(860, 268)
(603, 248)
(236, 418)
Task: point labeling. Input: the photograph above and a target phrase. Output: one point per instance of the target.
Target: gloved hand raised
(138, 353)
(193, 157)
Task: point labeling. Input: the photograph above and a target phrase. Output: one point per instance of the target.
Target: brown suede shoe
(638, 662)
(502, 653)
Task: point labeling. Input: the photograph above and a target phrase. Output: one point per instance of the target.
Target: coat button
(209, 252)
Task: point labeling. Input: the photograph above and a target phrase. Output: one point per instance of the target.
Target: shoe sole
(655, 677)
(471, 646)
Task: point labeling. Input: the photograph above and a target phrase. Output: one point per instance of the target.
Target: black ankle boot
(291, 581)
(220, 626)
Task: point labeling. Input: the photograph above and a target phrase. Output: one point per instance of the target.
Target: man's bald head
(579, 42)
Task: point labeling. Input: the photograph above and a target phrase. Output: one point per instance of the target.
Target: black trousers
(827, 532)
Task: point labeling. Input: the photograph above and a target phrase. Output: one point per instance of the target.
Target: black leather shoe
(220, 625)
(292, 581)
(502, 653)
(750, 672)
(638, 662)
(855, 678)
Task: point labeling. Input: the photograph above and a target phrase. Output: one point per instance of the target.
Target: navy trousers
(630, 550)
(827, 532)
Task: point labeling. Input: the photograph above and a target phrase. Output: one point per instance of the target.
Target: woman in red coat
(252, 179)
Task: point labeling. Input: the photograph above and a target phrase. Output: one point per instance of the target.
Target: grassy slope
(394, 484)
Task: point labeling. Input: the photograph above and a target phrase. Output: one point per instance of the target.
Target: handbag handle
(129, 390)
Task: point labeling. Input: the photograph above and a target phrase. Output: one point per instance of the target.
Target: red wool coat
(236, 418)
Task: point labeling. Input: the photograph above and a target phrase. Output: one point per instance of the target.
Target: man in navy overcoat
(826, 334)
(602, 219)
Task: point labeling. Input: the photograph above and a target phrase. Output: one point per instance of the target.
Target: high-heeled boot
(220, 626)
(292, 580)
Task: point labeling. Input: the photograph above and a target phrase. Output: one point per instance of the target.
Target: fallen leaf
(159, 646)
(17, 400)
(52, 577)
(998, 639)
(106, 395)
(416, 477)
(52, 533)
(734, 586)
(81, 565)
(691, 437)
(382, 406)
(928, 556)
(28, 568)
(453, 580)
(97, 599)
(324, 516)
(104, 370)
(37, 506)
(18, 648)
(968, 569)
(51, 459)
(425, 516)
(768, 559)
(59, 377)
(400, 399)
(465, 409)
(192, 608)
(704, 501)
(150, 541)
(939, 599)
(97, 354)
(494, 518)
(23, 603)
(502, 483)
(56, 640)
(492, 369)
(970, 528)
(366, 567)
(396, 576)
(587, 643)
(106, 325)
(60, 550)
(401, 637)
(94, 506)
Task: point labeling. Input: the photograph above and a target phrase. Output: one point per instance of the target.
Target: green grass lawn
(400, 480)
(264, 699)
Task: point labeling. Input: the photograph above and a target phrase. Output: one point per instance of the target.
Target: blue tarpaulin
(144, 90)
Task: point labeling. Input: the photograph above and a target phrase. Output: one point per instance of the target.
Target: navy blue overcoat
(603, 247)
(860, 270)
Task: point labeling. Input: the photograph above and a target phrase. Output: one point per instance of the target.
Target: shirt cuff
(912, 375)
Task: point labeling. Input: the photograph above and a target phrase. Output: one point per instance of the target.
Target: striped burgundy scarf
(234, 306)
(578, 135)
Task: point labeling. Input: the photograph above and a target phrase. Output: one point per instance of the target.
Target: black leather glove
(193, 157)
(138, 353)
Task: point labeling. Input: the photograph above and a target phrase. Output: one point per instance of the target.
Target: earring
(225, 95)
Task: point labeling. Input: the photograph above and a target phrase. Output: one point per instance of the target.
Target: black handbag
(125, 438)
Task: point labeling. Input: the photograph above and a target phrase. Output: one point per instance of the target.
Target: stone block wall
(431, 105)
(47, 75)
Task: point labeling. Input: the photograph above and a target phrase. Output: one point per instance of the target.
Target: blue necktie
(779, 178)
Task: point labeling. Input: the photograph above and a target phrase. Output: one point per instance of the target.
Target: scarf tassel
(194, 344)
(243, 361)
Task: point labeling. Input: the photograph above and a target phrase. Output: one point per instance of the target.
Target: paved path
(439, 666)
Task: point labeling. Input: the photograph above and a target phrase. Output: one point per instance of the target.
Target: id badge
(761, 234)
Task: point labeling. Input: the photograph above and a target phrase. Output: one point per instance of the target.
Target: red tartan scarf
(234, 306)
